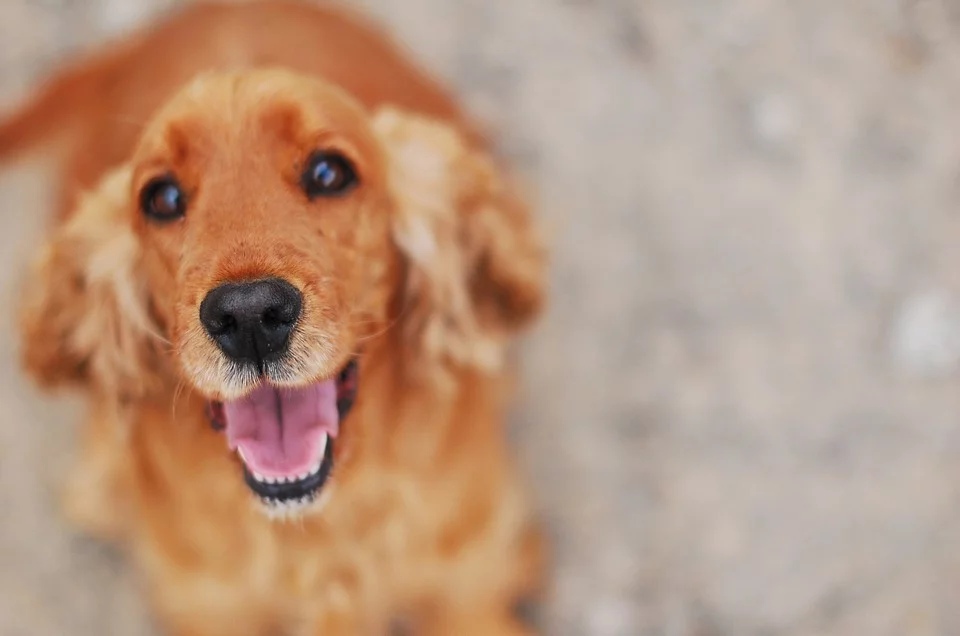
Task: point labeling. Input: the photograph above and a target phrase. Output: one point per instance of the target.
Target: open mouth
(284, 437)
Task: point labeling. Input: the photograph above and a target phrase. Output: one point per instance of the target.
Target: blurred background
(742, 413)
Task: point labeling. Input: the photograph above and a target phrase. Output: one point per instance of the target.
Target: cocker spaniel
(285, 274)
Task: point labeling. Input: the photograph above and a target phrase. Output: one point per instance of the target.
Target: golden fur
(425, 271)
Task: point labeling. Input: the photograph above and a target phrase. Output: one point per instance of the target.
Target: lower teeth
(274, 503)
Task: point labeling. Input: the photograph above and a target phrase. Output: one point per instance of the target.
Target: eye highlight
(163, 200)
(327, 174)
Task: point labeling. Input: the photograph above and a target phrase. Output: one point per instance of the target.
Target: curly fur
(426, 273)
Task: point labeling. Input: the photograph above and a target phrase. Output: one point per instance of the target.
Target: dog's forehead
(253, 109)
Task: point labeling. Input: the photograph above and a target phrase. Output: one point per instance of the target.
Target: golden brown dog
(285, 277)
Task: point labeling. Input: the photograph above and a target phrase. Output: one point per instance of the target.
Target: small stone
(612, 617)
(773, 119)
(925, 339)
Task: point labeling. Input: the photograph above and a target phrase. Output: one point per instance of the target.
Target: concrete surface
(742, 414)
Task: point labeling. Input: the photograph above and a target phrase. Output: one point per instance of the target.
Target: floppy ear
(474, 261)
(85, 315)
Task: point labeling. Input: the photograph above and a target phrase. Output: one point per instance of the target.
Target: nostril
(276, 317)
(221, 325)
(285, 306)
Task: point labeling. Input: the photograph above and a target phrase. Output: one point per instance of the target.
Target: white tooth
(258, 476)
(240, 453)
(323, 446)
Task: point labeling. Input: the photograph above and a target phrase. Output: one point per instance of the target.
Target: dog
(285, 274)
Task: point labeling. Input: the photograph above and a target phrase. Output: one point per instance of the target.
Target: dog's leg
(338, 625)
(495, 622)
(93, 499)
(505, 607)
(200, 622)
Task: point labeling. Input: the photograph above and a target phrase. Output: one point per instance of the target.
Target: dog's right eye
(328, 174)
(163, 200)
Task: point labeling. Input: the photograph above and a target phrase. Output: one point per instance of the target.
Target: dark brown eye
(163, 200)
(327, 174)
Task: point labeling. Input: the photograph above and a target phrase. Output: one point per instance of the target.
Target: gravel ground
(741, 414)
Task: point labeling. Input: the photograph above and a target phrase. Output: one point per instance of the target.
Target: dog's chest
(207, 533)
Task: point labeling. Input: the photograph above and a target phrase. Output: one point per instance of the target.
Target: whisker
(390, 325)
(176, 398)
(156, 335)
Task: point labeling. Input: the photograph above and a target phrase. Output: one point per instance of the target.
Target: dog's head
(267, 228)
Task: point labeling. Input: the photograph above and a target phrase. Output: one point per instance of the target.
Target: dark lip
(307, 487)
(347, 384)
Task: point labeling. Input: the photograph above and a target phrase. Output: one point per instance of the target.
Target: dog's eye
(327, 174)
(163, 200)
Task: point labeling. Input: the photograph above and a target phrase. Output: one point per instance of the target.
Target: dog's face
(266, 226)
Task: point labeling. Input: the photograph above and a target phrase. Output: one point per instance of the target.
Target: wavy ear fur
(85, 318)
(475, 263)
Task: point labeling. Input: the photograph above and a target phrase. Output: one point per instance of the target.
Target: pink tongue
(282, 432)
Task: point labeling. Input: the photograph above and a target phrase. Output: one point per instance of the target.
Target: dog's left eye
(328, 174)
(163, 200)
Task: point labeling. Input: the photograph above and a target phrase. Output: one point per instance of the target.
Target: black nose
(252, 321)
